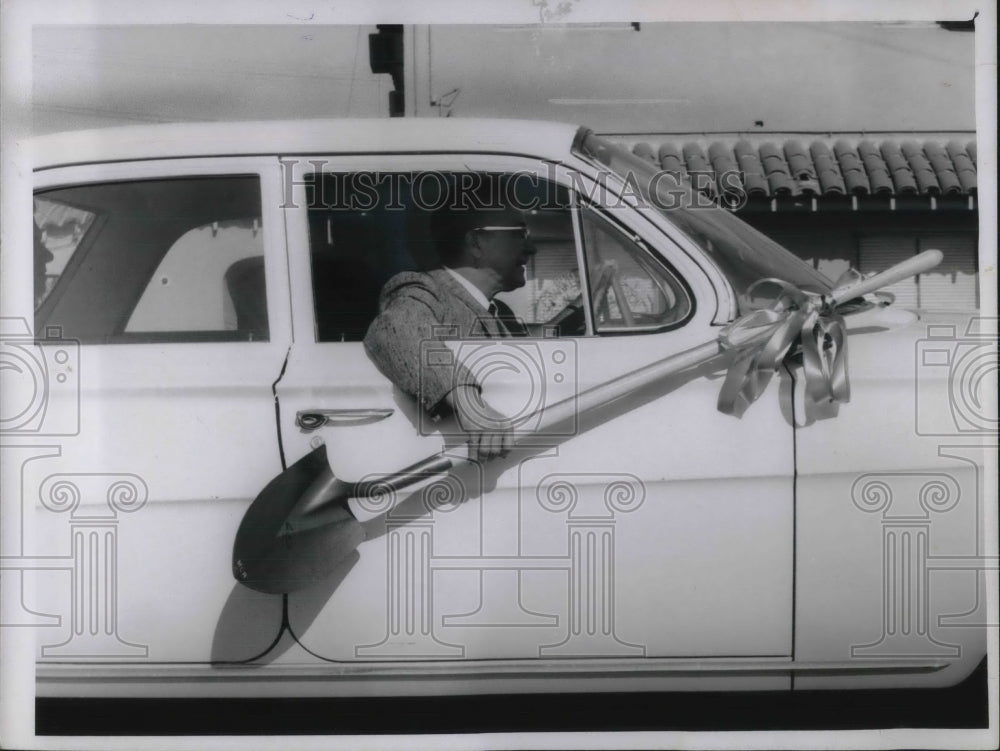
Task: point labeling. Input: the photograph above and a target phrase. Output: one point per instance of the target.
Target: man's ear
(473, 245)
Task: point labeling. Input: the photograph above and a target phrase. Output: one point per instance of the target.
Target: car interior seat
(245, 283)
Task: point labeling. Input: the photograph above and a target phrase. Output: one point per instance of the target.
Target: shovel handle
(903, 270)
(549, 416)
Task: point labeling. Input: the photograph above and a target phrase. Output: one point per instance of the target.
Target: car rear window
(151, 260)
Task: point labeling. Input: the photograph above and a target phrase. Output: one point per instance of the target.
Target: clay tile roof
(726, 171)
(645, 151)
(801, 166)
(831, 182)
(875, 166)
(671, 159)
(964, 164)
(852, 168)
(824, 168)
(902, 175)
(923, 173)
(778, 177)
(943, 168)
(697, 163)
(753, 171)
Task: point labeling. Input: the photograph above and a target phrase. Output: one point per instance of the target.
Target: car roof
(385, 135)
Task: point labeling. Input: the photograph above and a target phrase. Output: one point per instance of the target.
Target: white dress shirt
(472, 289)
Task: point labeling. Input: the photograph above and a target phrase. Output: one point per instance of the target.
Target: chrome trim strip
(72, 672)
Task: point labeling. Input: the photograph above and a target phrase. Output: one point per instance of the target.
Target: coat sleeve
(405, 343)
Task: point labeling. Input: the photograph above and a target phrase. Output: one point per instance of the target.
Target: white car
(201, 294)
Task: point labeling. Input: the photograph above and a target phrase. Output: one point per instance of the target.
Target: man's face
(506, 249)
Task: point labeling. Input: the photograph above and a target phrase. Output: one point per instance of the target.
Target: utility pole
(385, 55)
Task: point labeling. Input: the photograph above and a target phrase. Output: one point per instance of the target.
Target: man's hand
(490, 433)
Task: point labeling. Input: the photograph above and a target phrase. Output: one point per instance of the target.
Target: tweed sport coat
(417, 307)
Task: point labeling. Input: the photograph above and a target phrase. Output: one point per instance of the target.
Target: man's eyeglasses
(525, 233)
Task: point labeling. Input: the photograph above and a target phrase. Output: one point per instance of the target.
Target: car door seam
(795, 505)
(277, 408)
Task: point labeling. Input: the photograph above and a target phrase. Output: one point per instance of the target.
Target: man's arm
(409, 316)
(410, 312)
(490, 433)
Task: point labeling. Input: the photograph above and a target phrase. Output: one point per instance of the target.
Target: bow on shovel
(790, 316)
(300, 527)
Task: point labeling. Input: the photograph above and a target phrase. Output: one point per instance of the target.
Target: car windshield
(744, 254)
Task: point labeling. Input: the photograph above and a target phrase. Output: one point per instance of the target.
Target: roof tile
(902, 175)
(923, 173)
(698, 164)
(801, 166)
(754, 181)
(725, 168)
(943, 168)
(789, 169)
(645, 151)
(852, 168)
(671, 159)
(830, 180)
(778, 177)
(964, 166)
(875, 166)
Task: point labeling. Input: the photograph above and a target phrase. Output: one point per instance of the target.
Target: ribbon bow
(784, 315)
(781, 314)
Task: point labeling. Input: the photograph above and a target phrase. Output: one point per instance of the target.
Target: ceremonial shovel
(299, 527)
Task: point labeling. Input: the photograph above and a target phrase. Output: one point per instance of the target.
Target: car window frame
(655, 259)
(712, 289)
(709, 292)
(264, 168)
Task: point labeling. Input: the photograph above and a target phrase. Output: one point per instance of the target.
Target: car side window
(152, 260)
(365, 227)
(629, 290)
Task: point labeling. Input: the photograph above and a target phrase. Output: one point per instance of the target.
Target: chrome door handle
(313, 419)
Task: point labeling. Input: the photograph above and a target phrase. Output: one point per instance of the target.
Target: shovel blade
(268, 561)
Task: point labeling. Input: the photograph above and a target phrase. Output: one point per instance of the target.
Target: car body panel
(184, 432)
(745, 552)
(502, 583)
(373, 136)
(898, 502)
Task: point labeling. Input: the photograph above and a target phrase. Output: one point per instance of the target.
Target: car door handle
(313, 419)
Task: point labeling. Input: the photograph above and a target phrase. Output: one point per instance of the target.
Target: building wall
(873, 242)
(700, 77)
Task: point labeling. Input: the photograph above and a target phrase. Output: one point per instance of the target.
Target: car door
(163, 318)
(655, 527)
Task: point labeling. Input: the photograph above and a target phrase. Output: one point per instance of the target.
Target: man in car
(483, 252)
